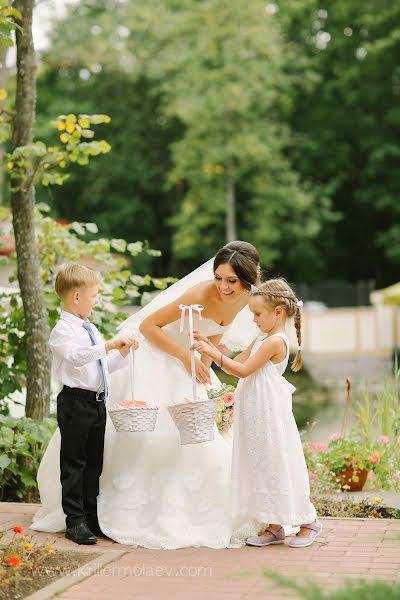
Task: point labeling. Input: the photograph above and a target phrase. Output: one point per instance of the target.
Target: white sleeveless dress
(270, 481)
(153, 491)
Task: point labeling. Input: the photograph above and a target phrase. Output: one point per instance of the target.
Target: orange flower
(18, 528)
(14, 561)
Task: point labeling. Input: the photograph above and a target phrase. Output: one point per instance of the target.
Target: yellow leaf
(3, 94)
(10, 165)
(64, 138)
(84, 123)
(70, 128)
(61, 126)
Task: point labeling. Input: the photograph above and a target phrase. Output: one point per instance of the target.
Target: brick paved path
(356, 548)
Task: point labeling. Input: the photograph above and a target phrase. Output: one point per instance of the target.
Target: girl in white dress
(154, 492)
(270, 482)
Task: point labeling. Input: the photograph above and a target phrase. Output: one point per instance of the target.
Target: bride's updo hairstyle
(244, 260)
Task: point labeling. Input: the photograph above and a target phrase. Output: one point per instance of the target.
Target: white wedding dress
(154, 492)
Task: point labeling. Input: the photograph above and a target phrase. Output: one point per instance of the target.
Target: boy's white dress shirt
(75, 359)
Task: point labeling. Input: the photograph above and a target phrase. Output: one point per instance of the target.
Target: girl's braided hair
(277, 292)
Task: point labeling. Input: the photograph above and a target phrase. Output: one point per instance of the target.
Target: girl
(269, 474)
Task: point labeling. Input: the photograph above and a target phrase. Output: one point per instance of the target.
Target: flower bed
(26, 566)
(348, 463)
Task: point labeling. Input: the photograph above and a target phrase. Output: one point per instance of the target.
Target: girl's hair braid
(277, 292)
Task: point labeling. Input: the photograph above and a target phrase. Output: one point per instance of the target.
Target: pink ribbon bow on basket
(190, 308)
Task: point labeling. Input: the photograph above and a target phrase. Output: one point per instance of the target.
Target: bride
(153, 491)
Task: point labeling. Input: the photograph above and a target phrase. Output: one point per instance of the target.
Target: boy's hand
(123, 344)
(133, 342)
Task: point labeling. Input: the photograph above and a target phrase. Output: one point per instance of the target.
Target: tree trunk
(230, 209)
(22, 205)
(3, 84)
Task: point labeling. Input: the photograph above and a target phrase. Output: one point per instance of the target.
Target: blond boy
(82, 361)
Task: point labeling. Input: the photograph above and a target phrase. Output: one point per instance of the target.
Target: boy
(82, 362)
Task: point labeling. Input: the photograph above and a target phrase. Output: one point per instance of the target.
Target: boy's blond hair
(73, 275)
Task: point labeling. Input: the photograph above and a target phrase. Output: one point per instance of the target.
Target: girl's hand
(204, 348)
(199, 336)
(202, 372)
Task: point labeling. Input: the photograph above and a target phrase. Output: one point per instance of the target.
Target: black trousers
(82, 422)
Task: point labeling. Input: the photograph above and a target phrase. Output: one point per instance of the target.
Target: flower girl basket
(133, 418)
(194, 419)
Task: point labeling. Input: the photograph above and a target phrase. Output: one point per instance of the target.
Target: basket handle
(190, 308)
(132, 372)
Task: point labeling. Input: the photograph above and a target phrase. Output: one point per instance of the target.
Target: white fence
(356, 342)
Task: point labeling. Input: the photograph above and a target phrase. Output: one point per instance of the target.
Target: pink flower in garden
(383, 439)
(312, 476)
(375, 458)
(335, 436)
(371, 475)
(321, 447)
(229, 399)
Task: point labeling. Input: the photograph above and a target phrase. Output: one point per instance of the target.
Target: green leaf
(78, 228)
(4, 461)
(119, 245)
(91, 227)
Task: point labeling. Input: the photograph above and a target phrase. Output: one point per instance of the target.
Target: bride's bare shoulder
(200, 293)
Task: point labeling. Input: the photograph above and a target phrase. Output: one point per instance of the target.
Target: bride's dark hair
(244, 260)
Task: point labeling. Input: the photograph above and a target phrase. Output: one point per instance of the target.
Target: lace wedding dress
(154, 492)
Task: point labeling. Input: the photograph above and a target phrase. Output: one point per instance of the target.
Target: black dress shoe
(81, 534)
(95, 529)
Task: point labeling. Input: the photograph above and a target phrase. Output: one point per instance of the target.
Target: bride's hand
(202, 372)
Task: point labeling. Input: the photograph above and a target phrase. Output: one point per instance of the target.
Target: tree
(345, 120)
(222, 70)
(22, 203)
(213, 77)
(28, 163)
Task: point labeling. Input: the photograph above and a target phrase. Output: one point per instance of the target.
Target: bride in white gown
(153, 491)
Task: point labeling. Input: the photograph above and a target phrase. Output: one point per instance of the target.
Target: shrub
(22, 445)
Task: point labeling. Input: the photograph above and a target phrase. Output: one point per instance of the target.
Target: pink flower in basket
(229, 399)
(130, 404)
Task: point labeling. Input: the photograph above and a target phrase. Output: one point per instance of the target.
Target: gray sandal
(275, 537)
(302, 542)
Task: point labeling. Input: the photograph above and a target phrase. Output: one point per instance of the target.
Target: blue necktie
(88, 326)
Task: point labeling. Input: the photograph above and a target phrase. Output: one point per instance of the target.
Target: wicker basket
(134, 419)
(194, 420)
